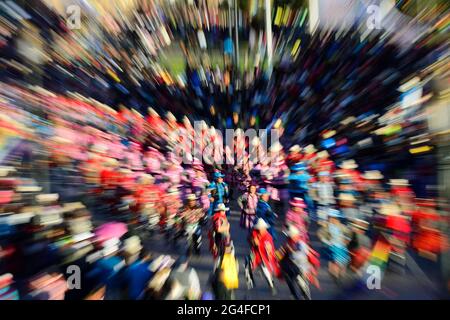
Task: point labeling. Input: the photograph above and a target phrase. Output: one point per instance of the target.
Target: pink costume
(248, 214)
(296, 219)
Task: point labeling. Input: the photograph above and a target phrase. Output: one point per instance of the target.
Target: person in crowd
(221, 192)
(335, 236)
(136, 273)
(263, 252)
(226, 277)
(219, 234)
(265, 212)
(296, 215)
(299, 185)
(248, 204)
(325, 195)
(183, 282)
(359, 246)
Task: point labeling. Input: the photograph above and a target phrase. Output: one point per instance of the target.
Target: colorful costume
(248, 204)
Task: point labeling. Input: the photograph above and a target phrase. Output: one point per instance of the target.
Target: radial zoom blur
(224, 149)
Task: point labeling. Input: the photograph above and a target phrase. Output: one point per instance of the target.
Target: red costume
(263, 251)
(218, 219)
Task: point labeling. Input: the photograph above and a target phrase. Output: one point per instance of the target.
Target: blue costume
(298, 186)
(265, 212)
(221, 190)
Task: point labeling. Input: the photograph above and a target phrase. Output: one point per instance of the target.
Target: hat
(300, 166)
(333, 213)
(170, 116)
(295, 148)
(132, 245)
(255, 141)
(324, 174)
(263, 191)
(390, 209)
(28, 188)
(191, 196)
(276, 147)
(220, 207)
(110, 246)
(310, 149)
(292, 232)
(73, 206)
(373, 175)
(261, 224)
(152, 112)
(4, 171)
(111, 162)
(348, 164)
(173, 190)
(297, 202)
(399, 182)
(45, 198)
(146, 178)
(345, 196)
(82, 236)
(360, 224)
(323, 154)
(218, 175)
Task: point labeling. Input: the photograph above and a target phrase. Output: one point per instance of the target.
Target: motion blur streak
(102, 101)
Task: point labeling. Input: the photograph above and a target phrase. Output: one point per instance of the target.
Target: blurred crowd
(91, 176)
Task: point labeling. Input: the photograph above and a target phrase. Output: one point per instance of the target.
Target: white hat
(191, 196)
(292, 231)
(261, 224)
(170, 116)
(111, 162)
(125, 170)
(82, 236)
(389, 209)
(5, 170)
(110, 250)
(295, 148)
(132, 245)
(221, 207)
(19, 218)
(110, 246)
(360, 224)
(99, 148)
(146, 178)
(255, 141)
(73, 206)
(348, 164)
(173, 190)
(44, 198)
(310, 149)
(61, 140)
(323, 154)
(276, 147)
(373, 175)
(152, 112)
(399, 182)
(186, 121)
(28, 189)
(346, 197)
